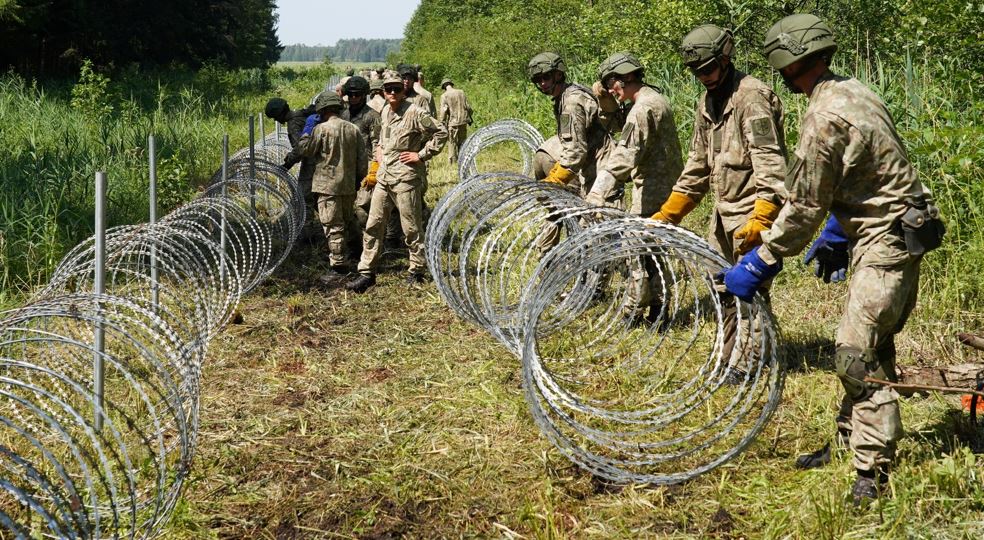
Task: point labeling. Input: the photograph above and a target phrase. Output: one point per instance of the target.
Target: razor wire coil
(630, 396)
(170, 287)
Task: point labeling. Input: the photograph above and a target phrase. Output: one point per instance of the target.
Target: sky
(324, 22)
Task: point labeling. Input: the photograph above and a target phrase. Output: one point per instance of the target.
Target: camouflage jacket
(455, 109)
(377, 103)
(583, 136)
(418, 88)
(422, 101)
(740, 153)
(368, 121)
(340, 155)
(648, 149)
(409, 128)
(850, 161)
(295, 125)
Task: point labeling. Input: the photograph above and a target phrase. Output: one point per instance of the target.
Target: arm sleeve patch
(762, 133)
(428, 123)
(628, 132)
(564, 126)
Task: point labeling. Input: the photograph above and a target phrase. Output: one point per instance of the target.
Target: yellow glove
(675, 208)
(370, 180)
(751, 234)
(606, 102)
(560, 175)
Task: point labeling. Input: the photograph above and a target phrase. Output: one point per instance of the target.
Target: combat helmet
(620, 63)
(356, 85)
(326, 100)
(446, 82)
(795, 37)
(276, 108)
(375, 84)
(545, 62)
(705, 43)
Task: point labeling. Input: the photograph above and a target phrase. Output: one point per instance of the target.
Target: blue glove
(312, 121)
(830, 252)
(744, 279)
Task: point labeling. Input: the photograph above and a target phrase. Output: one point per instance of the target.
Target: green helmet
(446, 82)
(326, 100)
(620, 63)
(375, 84)
(795, 37)
(545, 62)
(356, 85)
(705, 43)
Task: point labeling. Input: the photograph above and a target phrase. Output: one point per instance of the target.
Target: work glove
(675, 208)
(312, 121)
(746, 278)
(829, 251)
(370, 180)
(560, 175)
(606, 102)
(603, 185)
(751, 234)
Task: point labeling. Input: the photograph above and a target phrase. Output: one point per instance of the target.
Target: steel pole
(99, 288)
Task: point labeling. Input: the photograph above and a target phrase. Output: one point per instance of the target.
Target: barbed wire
(81, 465)
(630, 396)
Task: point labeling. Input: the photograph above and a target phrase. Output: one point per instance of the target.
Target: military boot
(362, 283)
(821, 457)
(334, 274)
(868, 486)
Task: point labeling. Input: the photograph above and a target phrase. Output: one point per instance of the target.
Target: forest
(345, 50)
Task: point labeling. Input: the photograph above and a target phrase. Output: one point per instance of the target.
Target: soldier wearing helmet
(368, 121)
(456, 114)
(340, 163)
(414, 92)
(582, 133)
(376, 99)
(410, 137)
(851, 163)
(738, 149)
(647, 155)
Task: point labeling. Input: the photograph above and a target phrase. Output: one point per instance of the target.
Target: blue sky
(314, 22)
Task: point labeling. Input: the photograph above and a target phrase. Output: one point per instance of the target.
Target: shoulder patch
(565, 127)
(628, 132)
(427, 122)
(762, 133)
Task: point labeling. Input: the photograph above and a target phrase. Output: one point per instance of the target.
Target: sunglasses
(705, 69)
(609, 83)
(539, 78)
(393, 89)
(355, 94)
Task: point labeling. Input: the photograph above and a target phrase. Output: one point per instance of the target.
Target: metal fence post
(99, 287)
(155, 291)
(225, 195)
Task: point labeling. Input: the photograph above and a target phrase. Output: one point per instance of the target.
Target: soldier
(647, 154)
(581, 131)
(278, 110)
(738, 147)
(410, 136)
(851, 162)
(410, 84)
(456, 115)
(368, 122)
(340, 154)
(376, 99)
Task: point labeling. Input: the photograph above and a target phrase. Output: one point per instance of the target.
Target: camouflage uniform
(426, 99)
(407, 129)
(740, 152)
(341, 162)
(295, 125)
(648, 152)
(851, 161)
(456, 114)
(368, 121)
(377, 103)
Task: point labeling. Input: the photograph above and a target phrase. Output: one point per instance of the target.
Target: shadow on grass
(954, 429)
(801, 353)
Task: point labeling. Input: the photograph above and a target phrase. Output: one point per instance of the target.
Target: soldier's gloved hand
(829, 251)
(309, 124)
(745, 278)
(560, 175)
(750, 235)
(604, 185)
(370, 180)
(606, 102)
(677, 206)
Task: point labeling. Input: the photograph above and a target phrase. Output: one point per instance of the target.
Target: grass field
(333, 415)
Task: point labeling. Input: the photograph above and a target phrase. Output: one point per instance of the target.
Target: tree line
(465, 38)
(345, 50)
(52, 37)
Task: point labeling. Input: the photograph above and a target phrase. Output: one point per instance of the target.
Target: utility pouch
(922, 227)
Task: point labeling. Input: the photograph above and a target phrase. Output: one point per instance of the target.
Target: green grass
(332, 415)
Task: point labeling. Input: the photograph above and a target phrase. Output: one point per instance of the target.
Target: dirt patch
(380, 374)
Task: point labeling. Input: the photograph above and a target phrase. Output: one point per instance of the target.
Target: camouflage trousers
(456, 137)
(408, 199)
(335, 212)
(880, 297)
(311, 230)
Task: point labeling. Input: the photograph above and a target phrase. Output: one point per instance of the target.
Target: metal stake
(154, 285)
(225, 194)
(99, 287)
(252, 165)
(262, 132)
